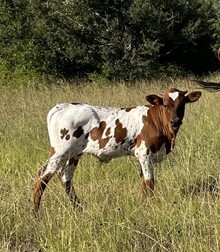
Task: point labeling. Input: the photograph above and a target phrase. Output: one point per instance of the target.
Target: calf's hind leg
(65, 175)
(45, 173)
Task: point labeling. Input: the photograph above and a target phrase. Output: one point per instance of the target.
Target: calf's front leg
(147, 172)
(147, 186)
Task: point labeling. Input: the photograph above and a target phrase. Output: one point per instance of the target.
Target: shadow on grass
(209, 186)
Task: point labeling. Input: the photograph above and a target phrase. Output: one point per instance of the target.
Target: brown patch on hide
(79, 132)
(97, 132)
(63, 132)
(120, 133)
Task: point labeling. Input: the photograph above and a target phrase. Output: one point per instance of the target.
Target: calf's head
(173, 102)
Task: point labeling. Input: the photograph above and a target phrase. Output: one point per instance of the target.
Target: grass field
(183, 216)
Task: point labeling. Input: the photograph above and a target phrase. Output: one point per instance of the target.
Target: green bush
(118, 39)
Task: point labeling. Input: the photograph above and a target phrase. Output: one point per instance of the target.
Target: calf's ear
(154, 99)
(193, 96)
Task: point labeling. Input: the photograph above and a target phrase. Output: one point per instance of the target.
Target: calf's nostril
(175, 122)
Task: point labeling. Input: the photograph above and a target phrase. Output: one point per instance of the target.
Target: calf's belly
(107, 153)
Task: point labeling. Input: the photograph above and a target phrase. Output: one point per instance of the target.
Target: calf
(146, 132)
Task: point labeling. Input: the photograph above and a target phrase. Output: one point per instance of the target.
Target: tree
(118, 39)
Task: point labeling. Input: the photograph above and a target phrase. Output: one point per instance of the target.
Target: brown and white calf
(146, 132)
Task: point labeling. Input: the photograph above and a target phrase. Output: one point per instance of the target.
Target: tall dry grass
(183, 216)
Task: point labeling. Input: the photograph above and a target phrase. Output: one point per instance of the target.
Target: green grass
(183, 216)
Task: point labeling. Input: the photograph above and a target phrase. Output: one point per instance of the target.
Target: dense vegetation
(116, 39)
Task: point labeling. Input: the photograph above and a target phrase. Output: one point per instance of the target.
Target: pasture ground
(184, 215)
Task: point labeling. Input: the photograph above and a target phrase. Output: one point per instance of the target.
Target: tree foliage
(118, 39)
